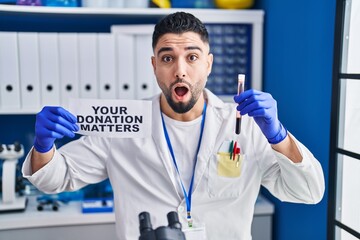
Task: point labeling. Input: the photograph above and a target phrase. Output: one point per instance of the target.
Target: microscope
(10, 154)
(170, 232)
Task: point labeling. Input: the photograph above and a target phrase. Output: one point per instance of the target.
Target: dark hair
(179, 22)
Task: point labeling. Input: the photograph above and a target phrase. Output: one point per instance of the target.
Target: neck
(192, 114)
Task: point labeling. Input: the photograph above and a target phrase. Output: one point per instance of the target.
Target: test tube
(241, 84)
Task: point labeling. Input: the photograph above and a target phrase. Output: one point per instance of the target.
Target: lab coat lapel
(212, 127)
(160, 142)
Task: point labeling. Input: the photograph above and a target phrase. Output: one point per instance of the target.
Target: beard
(182, 107)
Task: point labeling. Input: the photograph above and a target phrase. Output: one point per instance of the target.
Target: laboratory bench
(70, 223)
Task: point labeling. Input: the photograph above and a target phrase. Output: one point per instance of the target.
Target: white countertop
(263, 206)
(68, 214)
(71, 214)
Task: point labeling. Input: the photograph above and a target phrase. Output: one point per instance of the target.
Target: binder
(69, 73)
(144, 76)
(107, 66)
(125, 66)
(49, 69)
(9, 72)
(29, 70)
(136, 39)
(88, 82)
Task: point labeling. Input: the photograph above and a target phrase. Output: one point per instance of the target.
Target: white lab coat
(143, 176)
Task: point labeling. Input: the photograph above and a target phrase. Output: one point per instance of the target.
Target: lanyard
(187, 195)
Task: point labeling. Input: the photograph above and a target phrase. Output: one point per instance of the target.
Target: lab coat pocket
(228, 166)
(225, 175)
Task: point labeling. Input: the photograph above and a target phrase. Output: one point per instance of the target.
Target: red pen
(234, 150)
(238, 157)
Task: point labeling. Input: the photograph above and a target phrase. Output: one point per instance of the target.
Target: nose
(180, 76)
(180, 71)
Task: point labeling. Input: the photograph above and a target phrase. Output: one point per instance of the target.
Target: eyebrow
(168, 49)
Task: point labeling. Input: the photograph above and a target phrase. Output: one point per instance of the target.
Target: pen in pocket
(234, 150)
(231, 148)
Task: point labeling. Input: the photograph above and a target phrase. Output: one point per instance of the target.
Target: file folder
(144, 75)
(49, 69)
(29, 70)
(69, 67)
(9, 72)
(88, 84)
(125, 66)
(136, 39)
(107, 66)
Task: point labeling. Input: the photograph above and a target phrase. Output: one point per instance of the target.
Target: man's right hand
(53, 123)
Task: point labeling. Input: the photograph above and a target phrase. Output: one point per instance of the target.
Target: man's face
(181, 65)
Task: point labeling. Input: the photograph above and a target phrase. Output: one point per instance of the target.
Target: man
(182, 166)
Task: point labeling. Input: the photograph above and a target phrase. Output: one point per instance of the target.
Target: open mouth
(181, 91)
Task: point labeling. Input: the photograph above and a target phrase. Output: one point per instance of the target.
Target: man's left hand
(263, 108)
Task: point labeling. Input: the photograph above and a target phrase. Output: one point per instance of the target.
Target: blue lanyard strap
(187, 195)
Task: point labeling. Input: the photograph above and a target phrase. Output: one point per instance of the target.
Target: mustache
(180, 80)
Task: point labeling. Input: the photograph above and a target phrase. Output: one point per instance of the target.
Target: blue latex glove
(262, 107)
(53, 123)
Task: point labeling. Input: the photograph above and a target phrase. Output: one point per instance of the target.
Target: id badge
(197, 232)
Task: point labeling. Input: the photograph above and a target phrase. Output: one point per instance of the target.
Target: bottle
(61, 3)
(29, 2)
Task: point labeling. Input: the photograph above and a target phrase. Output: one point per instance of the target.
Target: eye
(193, 57)
(167, 58)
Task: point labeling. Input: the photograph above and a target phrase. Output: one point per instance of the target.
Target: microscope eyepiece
(17, 146)
(171, 232)
(145, 222)
(173, 220)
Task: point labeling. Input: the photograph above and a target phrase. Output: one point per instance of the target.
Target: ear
(210, 59)
(153, 63)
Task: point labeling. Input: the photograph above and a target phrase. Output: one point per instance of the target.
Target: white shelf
(210, 15)
(19, 111)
